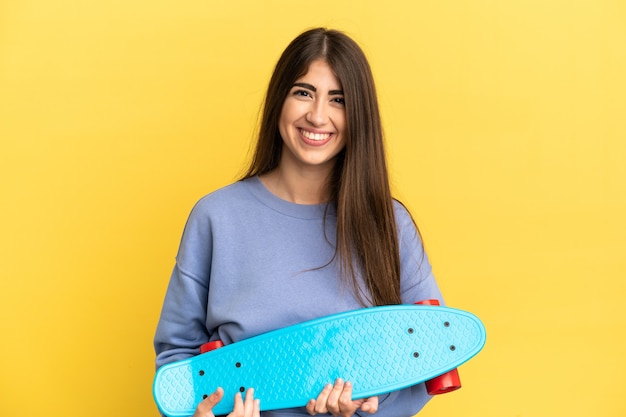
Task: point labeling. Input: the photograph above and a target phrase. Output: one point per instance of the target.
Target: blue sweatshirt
(250, 262)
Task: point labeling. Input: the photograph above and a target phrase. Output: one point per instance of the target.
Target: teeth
(315, 136)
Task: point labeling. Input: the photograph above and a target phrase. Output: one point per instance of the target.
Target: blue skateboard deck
(378, 349)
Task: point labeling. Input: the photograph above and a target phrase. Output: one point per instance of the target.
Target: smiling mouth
(315, 136)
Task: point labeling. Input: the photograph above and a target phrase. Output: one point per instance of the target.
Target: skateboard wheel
(209, 346)
(448, 382)
(431, 302)
(442, 384)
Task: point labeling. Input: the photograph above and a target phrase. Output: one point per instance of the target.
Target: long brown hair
(367, 241)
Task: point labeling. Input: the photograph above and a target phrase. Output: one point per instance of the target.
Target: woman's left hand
(337, 400)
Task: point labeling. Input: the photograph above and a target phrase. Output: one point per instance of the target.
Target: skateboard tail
(174, 390)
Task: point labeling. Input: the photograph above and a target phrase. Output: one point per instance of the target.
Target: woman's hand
(337, 400)
(248, 408)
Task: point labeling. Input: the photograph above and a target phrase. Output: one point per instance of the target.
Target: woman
(311, 230)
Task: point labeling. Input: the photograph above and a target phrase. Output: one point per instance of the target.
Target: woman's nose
(318, 114)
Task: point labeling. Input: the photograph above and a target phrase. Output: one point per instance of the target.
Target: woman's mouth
(316, 137)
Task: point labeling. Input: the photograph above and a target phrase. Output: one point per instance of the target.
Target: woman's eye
(301, 93)
(339, 100)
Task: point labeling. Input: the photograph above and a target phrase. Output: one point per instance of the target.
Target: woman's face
(313, 120)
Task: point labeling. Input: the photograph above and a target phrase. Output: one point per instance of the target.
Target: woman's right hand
(248, 408)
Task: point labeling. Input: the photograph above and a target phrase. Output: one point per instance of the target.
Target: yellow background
(506, 132)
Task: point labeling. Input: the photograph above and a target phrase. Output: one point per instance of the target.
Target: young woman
(311, 230)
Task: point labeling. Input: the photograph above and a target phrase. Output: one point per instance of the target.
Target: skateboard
(378, 349)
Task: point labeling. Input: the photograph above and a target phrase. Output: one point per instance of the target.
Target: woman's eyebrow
(305, 85)
(312, 88)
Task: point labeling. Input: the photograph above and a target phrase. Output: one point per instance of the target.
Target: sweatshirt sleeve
(417, 278)
(181, 329)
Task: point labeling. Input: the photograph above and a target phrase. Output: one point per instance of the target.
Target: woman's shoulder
(235, 191)
(401, 212)
(224, 199)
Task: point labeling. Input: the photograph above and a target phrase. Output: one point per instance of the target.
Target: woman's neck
(300, 187)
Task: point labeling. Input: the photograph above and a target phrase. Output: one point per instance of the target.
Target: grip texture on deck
(378, 349)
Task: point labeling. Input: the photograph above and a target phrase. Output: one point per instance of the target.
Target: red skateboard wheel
(209, 346)
(450, 381)
(431, 302)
